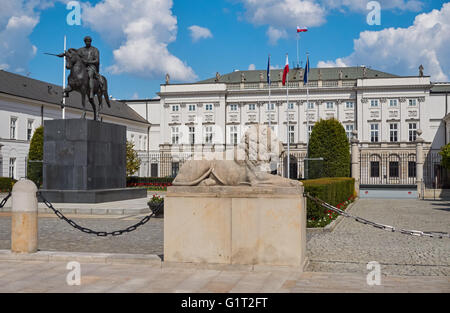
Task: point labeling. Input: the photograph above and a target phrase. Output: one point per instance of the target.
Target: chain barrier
(378, 225)
(5, 199)
(100, 233)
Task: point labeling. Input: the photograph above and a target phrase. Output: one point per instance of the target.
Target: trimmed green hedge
(333, 190)
(6, 184)
(35, 157)
(132, 180)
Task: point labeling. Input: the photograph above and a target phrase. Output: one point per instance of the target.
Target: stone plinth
(235, 225)
(85, 161)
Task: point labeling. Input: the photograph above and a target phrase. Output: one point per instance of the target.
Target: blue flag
(268, 70)
(305, 77)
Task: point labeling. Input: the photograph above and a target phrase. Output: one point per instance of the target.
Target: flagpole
(64, 82)
(270, 106)
(307, 117)
(298, 39)
(287, 122)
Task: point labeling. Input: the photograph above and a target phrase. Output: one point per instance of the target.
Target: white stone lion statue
(249, 164)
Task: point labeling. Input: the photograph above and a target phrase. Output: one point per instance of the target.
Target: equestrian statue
(84, 77)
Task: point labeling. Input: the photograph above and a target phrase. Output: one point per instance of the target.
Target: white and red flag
(301, 29)
(286, 70)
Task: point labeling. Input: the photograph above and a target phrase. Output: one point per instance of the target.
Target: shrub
(133, 161)
(329, 141)
(6, 184)
(445, 153)
(35, 156)
(333, 190)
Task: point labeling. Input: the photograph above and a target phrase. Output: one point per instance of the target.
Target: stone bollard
(24, 222)
(356, 166)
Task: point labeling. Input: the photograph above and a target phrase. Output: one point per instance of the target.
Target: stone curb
(147, 259)
(87, 211)
(330, 227)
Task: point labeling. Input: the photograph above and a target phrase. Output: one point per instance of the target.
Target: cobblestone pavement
(347, 249)
(352, 245)
(39, 276)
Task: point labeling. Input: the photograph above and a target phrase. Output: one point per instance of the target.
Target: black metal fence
(435, 176)
(388, 168)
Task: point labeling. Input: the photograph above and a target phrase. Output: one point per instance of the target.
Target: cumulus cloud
(282, 16)
(252, 67)
(17, 21)
(402, 50)
(198, 32)
(140, 30)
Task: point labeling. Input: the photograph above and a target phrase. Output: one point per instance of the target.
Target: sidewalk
(46, 272)
(125, 207)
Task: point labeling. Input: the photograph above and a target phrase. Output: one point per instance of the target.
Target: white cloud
(17, 21)
(252, 67)
(198, 32)
(402, 50)
(282, 16)
(140, 31)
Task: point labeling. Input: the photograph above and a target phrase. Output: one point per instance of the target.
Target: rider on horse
(91, 58)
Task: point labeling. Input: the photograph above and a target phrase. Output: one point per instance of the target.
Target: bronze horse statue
(78, 80)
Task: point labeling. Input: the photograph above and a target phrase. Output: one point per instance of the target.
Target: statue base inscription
(235, 225)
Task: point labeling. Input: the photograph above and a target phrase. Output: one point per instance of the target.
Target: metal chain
(378, 225)
(100, 233)
(2, 204)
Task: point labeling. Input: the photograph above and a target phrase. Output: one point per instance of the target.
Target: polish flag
(286, 70)
(301, 30)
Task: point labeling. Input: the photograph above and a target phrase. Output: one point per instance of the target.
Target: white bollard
(24, 221)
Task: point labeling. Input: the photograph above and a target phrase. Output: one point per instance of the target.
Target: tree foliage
(35, 156)
(445, 153)
(329, 141)
(133, 161)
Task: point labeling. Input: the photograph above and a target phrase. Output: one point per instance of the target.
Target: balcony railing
(294, 84)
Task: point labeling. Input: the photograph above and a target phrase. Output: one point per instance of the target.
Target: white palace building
(385, 110)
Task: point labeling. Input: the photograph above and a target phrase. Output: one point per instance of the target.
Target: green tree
(133, 161)
(445, 153)
(329, 141)
(35, 156)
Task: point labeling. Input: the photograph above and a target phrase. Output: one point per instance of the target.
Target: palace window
(291, 133)
(374, 169)
(208, 107)
(13, 128)
(192, 107)
(290, 106)
(374, 133)
(349, 105)
(191, 135)
(374, 103)
(270, 106)
(233, 107)
(393, 169)
(175, 168)
(411, 169)
(12, 167)
(175, 108)
(310, 105)
(252, 107)
(208, 134)
(412, 102)
(175, 135)
(29, 129)
(393, 132)
(348, 131)
(393, 102)
(233, 135)
(412, 131)
(330, 105)
(310, 128)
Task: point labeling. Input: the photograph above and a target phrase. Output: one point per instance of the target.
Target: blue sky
(237, 34)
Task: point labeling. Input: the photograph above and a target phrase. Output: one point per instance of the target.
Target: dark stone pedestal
(85, 162)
